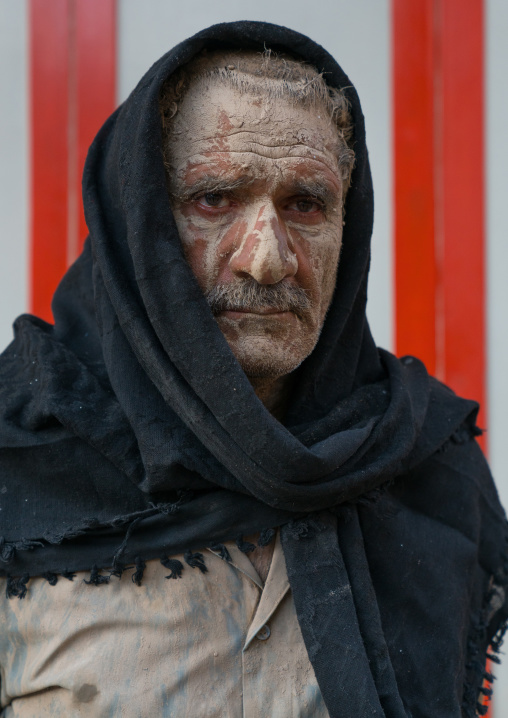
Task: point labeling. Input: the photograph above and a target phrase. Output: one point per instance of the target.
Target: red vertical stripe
(48, 116)
(96, 82)
(439, 178)
(462, 153)
(72, 68)
(413, 112)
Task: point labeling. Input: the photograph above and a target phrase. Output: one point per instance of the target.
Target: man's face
(257, 198)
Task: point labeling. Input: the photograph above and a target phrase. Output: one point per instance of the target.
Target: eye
(213, 199)
(305, 205)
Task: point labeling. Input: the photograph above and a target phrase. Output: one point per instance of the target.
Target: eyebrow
(211, 184)
(315, 188)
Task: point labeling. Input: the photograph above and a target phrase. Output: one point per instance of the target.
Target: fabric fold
(350, 539)
(328, 618)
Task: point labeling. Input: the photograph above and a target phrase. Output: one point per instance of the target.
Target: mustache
(250, 295)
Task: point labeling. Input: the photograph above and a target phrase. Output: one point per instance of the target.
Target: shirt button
(263, 633)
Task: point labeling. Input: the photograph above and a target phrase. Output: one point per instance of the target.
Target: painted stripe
(460, 163)
(413, 116)
(95, 43)
(49, 82)
(438, 154)
(73, 90)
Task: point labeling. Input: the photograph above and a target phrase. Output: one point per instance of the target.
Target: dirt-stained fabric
(217, 645)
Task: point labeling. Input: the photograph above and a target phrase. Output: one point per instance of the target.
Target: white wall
(497, 268)
(497, 236)
(356, 33)
(14, 153)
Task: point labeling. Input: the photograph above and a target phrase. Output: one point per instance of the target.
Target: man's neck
(274, 393)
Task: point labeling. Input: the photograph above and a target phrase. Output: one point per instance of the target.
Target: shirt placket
(258, 653)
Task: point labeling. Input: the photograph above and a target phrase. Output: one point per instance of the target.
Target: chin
(264, 358)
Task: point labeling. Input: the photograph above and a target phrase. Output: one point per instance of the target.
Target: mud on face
(256, 186)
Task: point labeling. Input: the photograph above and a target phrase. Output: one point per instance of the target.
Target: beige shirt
(218, 644)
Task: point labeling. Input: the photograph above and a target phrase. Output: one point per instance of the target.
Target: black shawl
(128, 429)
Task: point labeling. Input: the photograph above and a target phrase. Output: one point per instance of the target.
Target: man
(210, 399)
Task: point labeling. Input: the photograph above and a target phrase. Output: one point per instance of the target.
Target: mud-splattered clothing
(215, 644)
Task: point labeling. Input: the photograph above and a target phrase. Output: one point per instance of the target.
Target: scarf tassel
(174, 565)
(17, 586)
(195, 560)
(96, 579)
(244, 546)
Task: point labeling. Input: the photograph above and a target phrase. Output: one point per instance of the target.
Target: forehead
(251, 132)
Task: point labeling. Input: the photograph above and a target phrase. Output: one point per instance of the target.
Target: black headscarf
(128, 430)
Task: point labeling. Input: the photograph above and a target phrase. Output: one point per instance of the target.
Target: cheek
(207, 246)
(318, 257)
(329, 264)
(196, 255)
(194, 245)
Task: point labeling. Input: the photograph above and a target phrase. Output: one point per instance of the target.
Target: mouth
(248, 299)
(263, 312)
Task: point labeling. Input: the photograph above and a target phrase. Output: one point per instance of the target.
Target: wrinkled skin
(257, 193)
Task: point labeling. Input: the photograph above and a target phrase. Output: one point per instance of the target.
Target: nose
(264, 252)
